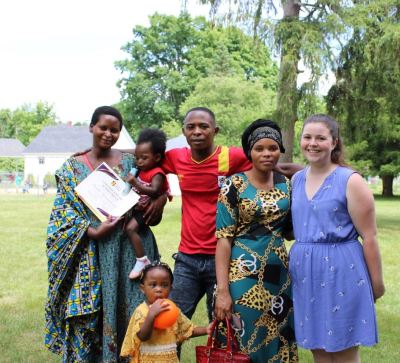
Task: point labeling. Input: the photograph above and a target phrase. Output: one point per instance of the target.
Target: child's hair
(152, 266)
(337, 154)
(156, 138)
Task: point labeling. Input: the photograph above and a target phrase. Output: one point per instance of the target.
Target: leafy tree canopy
(11, 165)
(235, 102)
(367, 91)
(308, 31)
(168, 58)
(25, 122)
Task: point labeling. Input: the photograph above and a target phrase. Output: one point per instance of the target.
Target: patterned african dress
(260, 286)
(90, 297)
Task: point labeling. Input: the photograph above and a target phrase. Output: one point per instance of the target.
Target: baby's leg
(132, 229)
(141, 260)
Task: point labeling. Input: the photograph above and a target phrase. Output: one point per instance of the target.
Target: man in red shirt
(201, 171)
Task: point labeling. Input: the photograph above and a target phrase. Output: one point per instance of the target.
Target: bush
(11, 164)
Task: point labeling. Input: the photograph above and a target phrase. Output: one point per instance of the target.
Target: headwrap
(261, 129)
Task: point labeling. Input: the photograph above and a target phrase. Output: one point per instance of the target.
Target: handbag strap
(214, 331)
(230, 337)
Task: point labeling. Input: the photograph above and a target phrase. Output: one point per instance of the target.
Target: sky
(63, 52)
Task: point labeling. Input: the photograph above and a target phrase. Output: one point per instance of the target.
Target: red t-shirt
(200, 183)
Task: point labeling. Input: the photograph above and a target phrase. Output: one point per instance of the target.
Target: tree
(7, 127)
(168, 58)
(304, 32)
(235, 102)
(11, 164)
(367, 91)
(25, 122)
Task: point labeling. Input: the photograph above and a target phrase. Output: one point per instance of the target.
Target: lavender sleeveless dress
(332, 295)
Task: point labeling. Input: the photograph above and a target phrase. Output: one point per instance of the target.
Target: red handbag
(212, 353)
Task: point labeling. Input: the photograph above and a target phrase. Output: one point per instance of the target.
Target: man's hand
(288, 169)
(79, 153)
(154, 212)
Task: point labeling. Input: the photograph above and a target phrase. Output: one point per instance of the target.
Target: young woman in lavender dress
(336, 279)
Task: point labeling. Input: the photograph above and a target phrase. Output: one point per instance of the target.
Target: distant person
(45, 187)
(18, 181)
(25, 188)
(253, 283)
(90, 296)
(143, 343)
(149, 182)
(336, 279)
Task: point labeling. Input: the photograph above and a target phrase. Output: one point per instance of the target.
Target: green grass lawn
(23, 279)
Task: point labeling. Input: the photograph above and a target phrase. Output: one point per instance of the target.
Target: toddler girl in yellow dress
(145, 344)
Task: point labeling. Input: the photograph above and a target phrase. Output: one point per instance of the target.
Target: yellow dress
(161, 347)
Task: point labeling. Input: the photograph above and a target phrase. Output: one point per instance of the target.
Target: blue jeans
(194, 276)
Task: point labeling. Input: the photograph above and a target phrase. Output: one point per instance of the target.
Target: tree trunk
(387, 185)
(287, 98)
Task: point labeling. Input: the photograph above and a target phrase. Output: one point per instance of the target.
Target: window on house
(41, 160)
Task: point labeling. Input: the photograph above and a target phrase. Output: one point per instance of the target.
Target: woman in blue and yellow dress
(253, 284)
(90, 297)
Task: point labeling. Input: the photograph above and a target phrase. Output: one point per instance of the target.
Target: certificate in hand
(104, 192)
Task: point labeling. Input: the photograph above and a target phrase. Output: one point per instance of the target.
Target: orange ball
(167, 318)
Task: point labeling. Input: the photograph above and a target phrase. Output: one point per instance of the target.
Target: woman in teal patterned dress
(90, 297)
(253, 283)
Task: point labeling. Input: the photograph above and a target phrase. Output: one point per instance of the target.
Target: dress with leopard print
(260, 285)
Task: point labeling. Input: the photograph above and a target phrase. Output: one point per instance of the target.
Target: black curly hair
(156, 138)
(106, 110)
(152, 266)
(203, 109)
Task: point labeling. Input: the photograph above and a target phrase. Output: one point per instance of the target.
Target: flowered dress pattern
(259, 281)
(332, 293)
(162, 345)
(90, 297)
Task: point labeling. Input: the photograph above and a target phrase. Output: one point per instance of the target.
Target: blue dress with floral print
(332, 294)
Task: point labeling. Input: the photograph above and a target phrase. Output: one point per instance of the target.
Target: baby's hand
(130, 179)
(158, 306)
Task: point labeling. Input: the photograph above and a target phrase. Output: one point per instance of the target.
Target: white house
(54, 144)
